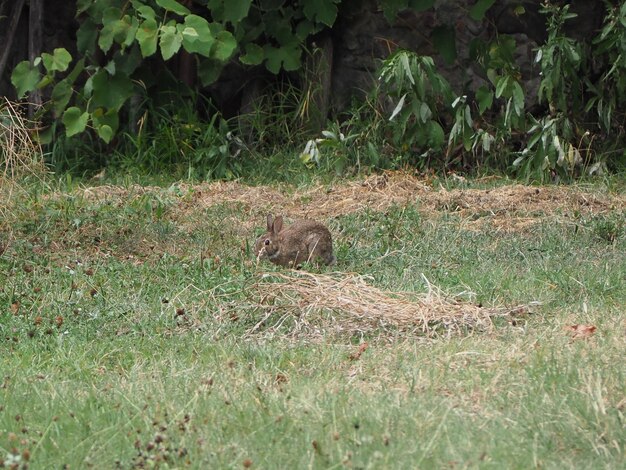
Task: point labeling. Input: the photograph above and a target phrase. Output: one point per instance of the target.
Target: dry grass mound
(339, 303)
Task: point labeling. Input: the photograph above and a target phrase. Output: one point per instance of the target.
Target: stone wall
(363, 38)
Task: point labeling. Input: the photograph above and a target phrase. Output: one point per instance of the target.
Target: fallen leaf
(15, 307)
(581, 331)
(356, 355)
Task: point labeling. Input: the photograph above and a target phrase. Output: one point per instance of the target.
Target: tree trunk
(35, 28)
(10, 34)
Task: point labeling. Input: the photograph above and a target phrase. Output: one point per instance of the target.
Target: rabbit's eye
(267, 242)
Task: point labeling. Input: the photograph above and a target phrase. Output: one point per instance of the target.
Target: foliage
(116, 37)
(421, 92)
(333, 142)
(607, 95)
(411, 118)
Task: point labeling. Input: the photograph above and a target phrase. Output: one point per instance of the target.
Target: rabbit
(304, 240)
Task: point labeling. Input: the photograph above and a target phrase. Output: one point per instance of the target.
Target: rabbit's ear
(278, 224)
(270, 222)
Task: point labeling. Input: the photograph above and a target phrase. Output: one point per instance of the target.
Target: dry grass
(20, 156)
(507, 208)
(319, 305)
(510, 208)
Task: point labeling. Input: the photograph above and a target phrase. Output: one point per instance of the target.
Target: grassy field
(138, 331)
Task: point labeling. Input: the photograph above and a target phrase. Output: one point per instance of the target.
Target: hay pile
(321, 304)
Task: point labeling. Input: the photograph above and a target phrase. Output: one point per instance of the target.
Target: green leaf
(404, 61)
(46, 136)
(146, 12)
(74, 121)
(305, 28)
(120, 30)
(110, 17)
(110, 118)
(25, 78)
(421, 5)
(253, 56)
(502, 85)
(105, 133)
(110, 67)
(518, 98)
(477, 12)
(209, 71)
(223, 46)
(321, 11)
(126, 35)
(59, 60)
(468, 116)
(484, 96)
(425, 112)
(286, 56)
(127, 60)
(436, 136)
(172, 5)
(61, 95)
(147, 36)
(106, 124)
(197, 36)
(270, 5)
(392, 7)
(398, 107)
(82, 6)
(86, 37)
(170, 42)
(76, 71)
(444, 40)
(236, 10)
(111, 92)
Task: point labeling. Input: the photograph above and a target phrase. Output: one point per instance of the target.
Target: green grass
(131, 344)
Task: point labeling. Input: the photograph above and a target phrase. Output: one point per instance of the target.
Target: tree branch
(15, 18)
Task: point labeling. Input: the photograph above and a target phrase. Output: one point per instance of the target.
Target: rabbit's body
(304, 240)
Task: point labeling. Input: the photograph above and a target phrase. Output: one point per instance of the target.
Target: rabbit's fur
(304, 240)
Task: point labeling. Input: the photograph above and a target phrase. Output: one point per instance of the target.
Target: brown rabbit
(304, 240)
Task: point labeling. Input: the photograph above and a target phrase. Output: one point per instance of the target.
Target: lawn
(139, 331)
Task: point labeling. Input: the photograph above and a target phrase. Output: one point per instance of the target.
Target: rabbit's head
(267, 244)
